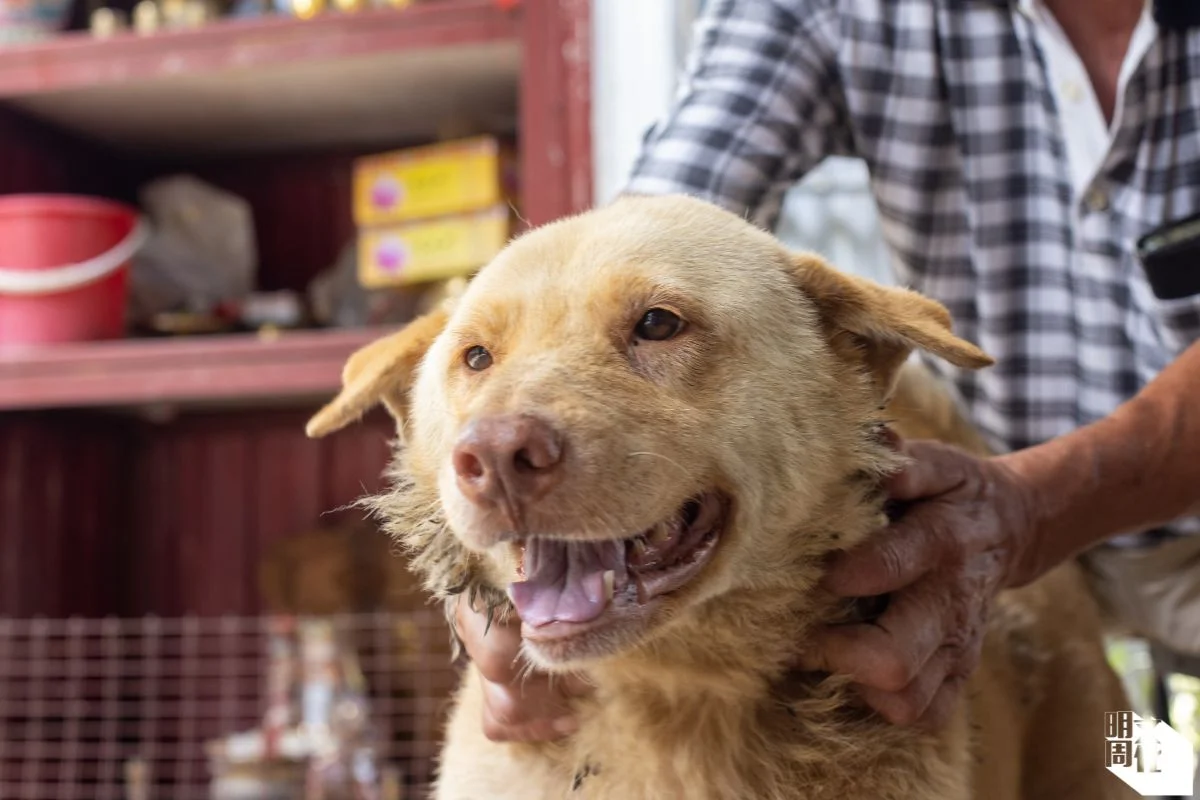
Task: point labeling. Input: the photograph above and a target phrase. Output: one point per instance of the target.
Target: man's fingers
(495, 649)
(941, 709)
(540, 730)
(889, 653)
(519, 704)
(934, 469)
(891, 559)
(507, 717)
(911, 704)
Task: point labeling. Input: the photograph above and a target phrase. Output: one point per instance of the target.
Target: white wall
(832, 212)
(637, 50)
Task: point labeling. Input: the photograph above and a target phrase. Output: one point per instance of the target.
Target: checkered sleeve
(760, 104)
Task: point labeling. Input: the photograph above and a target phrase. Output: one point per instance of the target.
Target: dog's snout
(509, 460)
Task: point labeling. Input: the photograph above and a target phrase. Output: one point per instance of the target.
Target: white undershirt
(1086, 135)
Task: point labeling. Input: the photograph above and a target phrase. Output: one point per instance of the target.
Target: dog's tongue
(564, 581)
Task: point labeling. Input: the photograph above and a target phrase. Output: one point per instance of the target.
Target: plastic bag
(339, 301)
(202, 251)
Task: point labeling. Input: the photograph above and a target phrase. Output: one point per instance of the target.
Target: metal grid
(86, 704)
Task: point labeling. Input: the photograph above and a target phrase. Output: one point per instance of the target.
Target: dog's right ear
(381, 372)
(879, 326)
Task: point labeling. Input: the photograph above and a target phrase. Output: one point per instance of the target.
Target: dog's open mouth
(576, 582)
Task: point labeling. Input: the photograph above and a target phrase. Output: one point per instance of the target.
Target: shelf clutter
(427, 216)
(383, 85)
(50, 22)
(433, 213)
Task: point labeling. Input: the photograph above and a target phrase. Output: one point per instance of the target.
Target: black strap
(1177, 14)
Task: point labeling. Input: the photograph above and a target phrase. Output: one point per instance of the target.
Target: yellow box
(433, 249)
(422, 182)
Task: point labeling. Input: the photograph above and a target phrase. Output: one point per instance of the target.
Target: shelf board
(248, 86)
(194, 370)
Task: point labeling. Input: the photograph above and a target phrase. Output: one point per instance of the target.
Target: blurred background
(205, 206)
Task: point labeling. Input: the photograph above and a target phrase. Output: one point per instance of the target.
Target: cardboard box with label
(432, 181)
(432, 213)
(432, 249)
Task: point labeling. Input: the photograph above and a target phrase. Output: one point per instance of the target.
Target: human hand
(520, 704)
(964, 533)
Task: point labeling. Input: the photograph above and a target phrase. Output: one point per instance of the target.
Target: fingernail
(565, 726)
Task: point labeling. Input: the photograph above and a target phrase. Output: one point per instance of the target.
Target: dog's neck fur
(763, 628)
(687, 686)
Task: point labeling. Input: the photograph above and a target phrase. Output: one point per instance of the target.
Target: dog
(642, 429)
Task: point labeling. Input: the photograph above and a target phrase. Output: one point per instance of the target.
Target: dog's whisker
(525, 670)
(667, 459)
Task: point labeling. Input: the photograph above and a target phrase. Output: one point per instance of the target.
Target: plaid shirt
(948, 102)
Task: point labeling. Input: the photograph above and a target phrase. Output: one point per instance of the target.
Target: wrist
(1028, 512)
(1099, 481)
(1135, 469)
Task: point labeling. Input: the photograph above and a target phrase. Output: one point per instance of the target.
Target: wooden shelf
(206, 369)
(249, 86)
(339, 82)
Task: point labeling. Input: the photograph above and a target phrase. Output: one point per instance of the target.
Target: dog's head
(634, 412)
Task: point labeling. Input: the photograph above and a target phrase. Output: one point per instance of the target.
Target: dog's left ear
(380, 372)
(878, 325)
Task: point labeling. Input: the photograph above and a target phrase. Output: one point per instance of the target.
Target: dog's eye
(478, 358)
(658, 325)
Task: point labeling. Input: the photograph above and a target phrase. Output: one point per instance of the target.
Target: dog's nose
(508, 460)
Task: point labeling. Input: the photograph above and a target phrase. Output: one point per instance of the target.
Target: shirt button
(1072, 91)
(1096, 199)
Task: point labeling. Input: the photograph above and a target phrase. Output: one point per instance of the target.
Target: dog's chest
(640, 749)
(633, 750)
(703, 754)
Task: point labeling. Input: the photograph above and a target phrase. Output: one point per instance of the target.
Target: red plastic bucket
(64, 268)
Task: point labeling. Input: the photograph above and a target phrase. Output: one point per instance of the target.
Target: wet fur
(798, 372)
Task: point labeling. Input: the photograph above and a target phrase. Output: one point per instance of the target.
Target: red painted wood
(106, 516)
(543, 148)
(234, 367)
(78, 60)
(216, 491)
(576, 31)
(155, 568)
(556, 168)
(37, 158)
(62, 502)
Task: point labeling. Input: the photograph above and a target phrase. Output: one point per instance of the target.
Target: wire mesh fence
(221, 707)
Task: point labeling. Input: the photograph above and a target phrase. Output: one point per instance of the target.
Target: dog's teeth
(641, 591)
(659, 535)
(610, 579)
(639, 547)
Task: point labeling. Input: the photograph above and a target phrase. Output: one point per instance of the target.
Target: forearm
(1133, 470)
